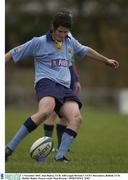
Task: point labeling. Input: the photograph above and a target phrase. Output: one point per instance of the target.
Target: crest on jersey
(70, 50)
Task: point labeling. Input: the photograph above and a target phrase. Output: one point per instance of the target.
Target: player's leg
(60, 128)
(70, 110)
(48, 125)
(46, 107)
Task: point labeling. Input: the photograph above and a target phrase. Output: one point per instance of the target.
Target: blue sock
(41, 159)
(25, 129)
(22, 132)
(67, 139)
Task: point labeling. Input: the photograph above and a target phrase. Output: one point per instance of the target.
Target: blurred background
(100, 24)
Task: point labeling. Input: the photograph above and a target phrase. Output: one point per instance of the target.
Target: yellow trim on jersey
(58, 44)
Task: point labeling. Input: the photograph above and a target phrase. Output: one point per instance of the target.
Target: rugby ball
(41, 147)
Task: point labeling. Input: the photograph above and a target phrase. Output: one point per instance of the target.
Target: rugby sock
(67, 139)
(41, 159)
(59, 130)
(25, 129)
(48, 130)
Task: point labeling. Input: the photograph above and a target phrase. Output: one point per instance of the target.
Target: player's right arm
(20, 52)
(8, 57)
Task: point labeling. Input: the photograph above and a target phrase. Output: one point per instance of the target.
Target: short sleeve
(79, 49)
(24, 50)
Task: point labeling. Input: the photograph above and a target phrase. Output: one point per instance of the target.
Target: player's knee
(44, 115)
(78, 119)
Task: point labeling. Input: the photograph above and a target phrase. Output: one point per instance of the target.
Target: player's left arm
(81, 50)
(77, 88)
(97, 56)
(77, 85)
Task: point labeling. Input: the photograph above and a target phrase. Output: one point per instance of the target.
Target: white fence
(123, 101)
(116, 99)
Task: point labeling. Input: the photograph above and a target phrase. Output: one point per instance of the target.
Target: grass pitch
(100, 147)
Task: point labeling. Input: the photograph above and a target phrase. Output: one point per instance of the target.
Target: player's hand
(113, 63)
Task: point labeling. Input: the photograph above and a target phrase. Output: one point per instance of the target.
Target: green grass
(100, 147)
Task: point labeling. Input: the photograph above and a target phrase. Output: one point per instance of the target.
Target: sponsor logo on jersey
(60, 63)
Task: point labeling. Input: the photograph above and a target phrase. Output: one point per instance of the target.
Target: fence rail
(116, 99)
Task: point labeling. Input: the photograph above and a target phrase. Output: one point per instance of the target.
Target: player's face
(60, 33)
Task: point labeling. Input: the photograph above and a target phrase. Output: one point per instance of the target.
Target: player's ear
(53, 29)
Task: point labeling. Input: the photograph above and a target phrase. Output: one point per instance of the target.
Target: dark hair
(62, 18)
